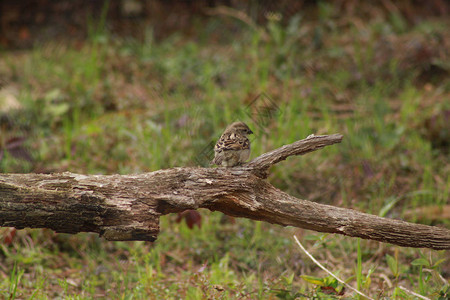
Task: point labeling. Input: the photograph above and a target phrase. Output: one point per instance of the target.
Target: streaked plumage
(233, 147)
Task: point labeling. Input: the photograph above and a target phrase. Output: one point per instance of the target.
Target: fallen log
(128, 207)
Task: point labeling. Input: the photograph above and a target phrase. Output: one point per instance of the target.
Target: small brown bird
(233, 147)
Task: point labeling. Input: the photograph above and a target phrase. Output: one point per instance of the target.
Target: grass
(112, 105)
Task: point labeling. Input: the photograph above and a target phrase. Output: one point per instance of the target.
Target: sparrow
(233, 147)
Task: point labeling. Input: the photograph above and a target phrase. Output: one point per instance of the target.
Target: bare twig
(329, 272)
(414, 294)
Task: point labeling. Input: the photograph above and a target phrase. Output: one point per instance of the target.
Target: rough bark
(128, 207)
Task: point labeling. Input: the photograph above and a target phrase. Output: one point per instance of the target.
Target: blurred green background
(106, 87)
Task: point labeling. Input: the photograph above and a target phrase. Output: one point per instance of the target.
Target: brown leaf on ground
(191, 217)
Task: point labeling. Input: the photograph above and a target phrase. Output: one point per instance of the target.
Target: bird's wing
(232, 142)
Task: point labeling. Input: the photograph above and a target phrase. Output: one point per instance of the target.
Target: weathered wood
(128, 207)
(260, 165)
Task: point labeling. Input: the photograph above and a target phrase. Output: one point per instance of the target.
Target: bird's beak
(250, 132)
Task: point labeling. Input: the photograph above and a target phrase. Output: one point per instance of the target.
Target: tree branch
(260, 165)
(128, 207)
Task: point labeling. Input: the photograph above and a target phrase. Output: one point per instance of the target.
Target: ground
(111, 104)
